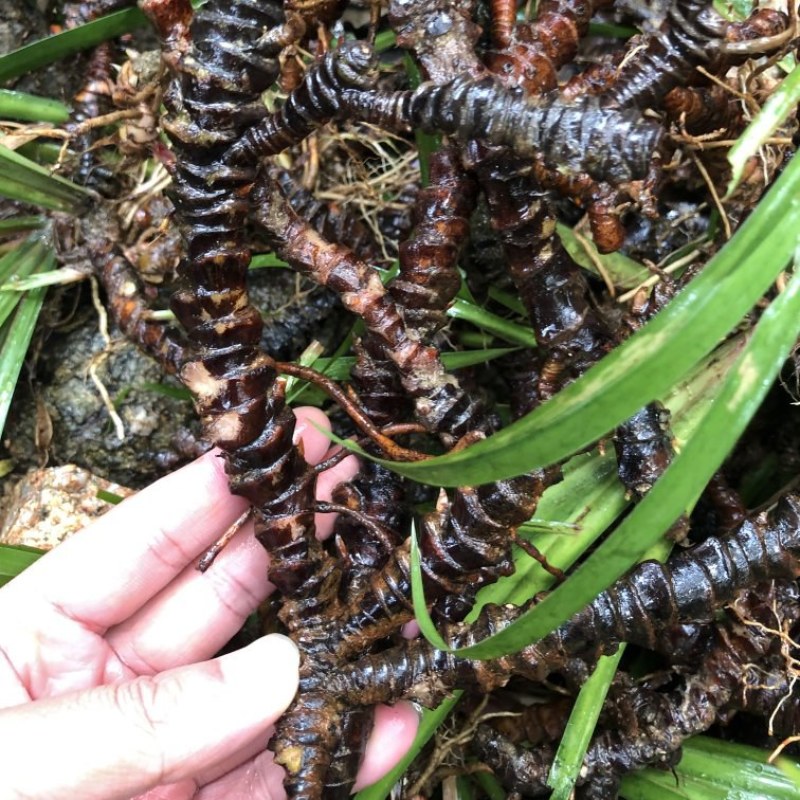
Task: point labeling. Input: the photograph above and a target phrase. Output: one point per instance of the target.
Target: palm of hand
(120, 610)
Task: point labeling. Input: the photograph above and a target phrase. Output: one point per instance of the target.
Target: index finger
(103, 574)
(107, 572)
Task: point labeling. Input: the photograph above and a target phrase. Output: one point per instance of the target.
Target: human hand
(105, 690)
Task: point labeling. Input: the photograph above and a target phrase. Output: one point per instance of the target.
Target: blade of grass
(648, 364)
(10, 227)
(586, 711)
(510, 331)
(623, 271)
(53, 277)
(427, 143)
(490, 785)
(15, 345)
(510, 301)
(649, 786)
(109, 497)
(339, 368)
(591, 494)
(714, 768)
(266, 260)
(23, 179)
(781, 103)
(609, 30)
(580, 727)
(740, 767)
(384, 41)
(14, 559)
(31, 107)
(19, 262)
(308, 358)
(53, 48)
(166, 390)
(678, 489)
(426, 624)
(734, 9)
(40, 151)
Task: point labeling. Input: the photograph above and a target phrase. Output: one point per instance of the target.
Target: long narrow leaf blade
(645, 366)
(678, 489)
(45, 51)
(712, 768)
(31, 107)
(15, 225)
(23, 179)
(17, 337)
(586, 711)
(582, 721)
(20, 262)
(426, 624)
(781, 103)
(14, 559)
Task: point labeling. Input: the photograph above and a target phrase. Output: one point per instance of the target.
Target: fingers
(327, 481)
(149, 731)
(196, 614)
(316, 447)
(392, 735)
(105, 573)
(307, 435)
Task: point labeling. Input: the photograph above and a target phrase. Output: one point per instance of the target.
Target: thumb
(117, 741)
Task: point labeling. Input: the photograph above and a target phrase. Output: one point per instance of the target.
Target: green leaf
(623, 271)
(510, 301)
(611, 31)
(586, 711)
(510, 331)
(648, 364)
(10, 227)
(338, 368)
(734, 9)
(166, 390)
(580, 727)
(23, 179)
(14, 559)
(637, 786)
(53, 48)
(781, 103)
(490, 785)
(31, 107)
(590, 493)
(19, 262)
(18, 332)
(267, 261)
(109, 497)
(308, 358)
(53, 277)
(714, 768)
(678, 489)
(431, 719)
(384, 41)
